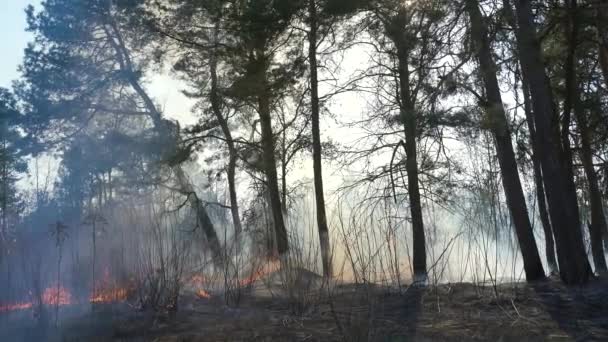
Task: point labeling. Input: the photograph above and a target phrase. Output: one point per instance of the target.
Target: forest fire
(108, 291)
(55, 295)
(109, 296)
(260, 273)
(15, 307)
(61, 296)
(200, 293)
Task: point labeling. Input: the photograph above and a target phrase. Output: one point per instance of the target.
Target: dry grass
(456, 312)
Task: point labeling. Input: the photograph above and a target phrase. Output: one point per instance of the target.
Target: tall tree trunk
(5, 181)
(270, 164)
(573, 263)
(5, 188)
(497, 118)
(602, 28)
(232, 153)
(408, 115)
(162, 127)
(538, 182)
(316, 141)
(203, 219)
(284, 166)
(598, 219)
(571, 99)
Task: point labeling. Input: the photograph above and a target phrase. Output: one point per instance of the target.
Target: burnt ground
(452, 312)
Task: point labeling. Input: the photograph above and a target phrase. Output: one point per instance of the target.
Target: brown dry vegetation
(451, 312)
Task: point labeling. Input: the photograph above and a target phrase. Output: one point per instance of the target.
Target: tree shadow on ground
(580, 312)
(410, 314)
(371, 313)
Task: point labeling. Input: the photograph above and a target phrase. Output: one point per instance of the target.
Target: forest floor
(546, 311)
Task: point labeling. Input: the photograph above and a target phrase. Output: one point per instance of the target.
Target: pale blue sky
(14, 38)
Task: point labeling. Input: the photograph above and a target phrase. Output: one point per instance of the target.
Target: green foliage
(12, 160)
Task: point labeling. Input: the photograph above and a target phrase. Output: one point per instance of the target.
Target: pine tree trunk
(497, 118)
(316, 142)
(270, 164)
(598, 219)
(232, 153)
(202, 217)
(571, 99)
(408, 115)
(162, 127)
(602, 27)
(573, 263)
(540, 189)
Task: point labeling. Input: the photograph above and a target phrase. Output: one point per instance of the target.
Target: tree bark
(497, 118)
(573, 263)
(162, 127)
(232, 153)
(186, 188)
(571, 99)
(270, 165)
(538, 182)
(316, 142)
(602, 28)
(408, 115)
(598, 219)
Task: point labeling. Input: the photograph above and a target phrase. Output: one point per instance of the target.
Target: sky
(14, 38)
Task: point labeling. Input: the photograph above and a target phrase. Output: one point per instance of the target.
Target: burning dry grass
(108, 290)
(374, 313)
(105, 291)
(202, 294)
(366, 312)
(54, 295)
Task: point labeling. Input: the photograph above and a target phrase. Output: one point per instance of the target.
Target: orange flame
(109, 296)
(108, 291)
(260, 273)
(51, 296)
(14, 307)
(56, 296)
(200, 293)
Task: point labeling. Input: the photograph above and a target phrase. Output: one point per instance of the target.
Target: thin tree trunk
(284, 166)
(573, 263)
(162, 127)
(316, 142)
(110, 184)
(232, 153)
(203, 219)
(5, 183)
(270, 165)
(571, 98)
(598, 219)
(540, 189)
(408, 115)
(602, 28)
(506, 157)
